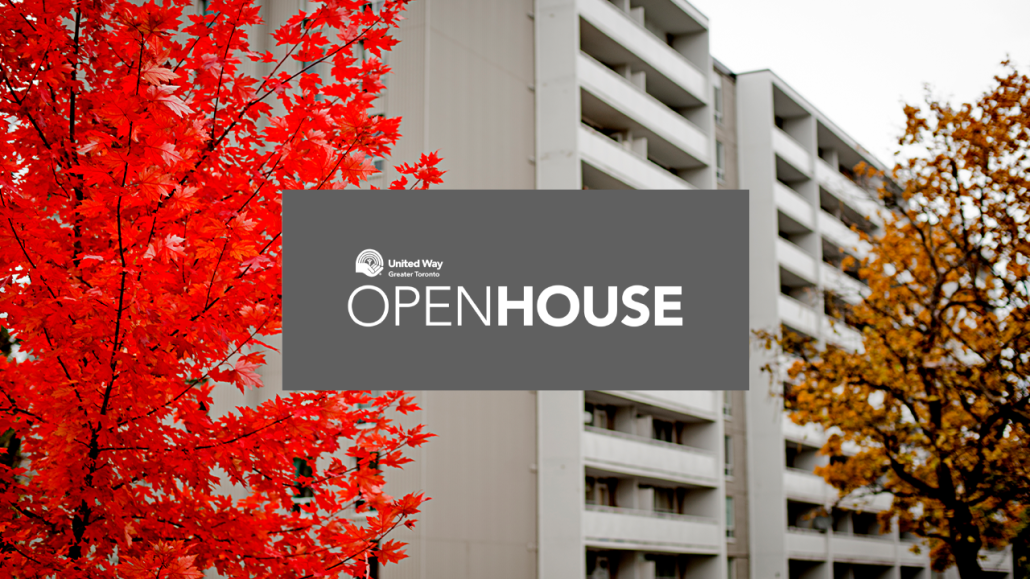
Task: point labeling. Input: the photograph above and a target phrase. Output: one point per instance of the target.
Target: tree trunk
(967, 559)
(1021, 555)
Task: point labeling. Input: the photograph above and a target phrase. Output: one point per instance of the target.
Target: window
(599, 416)
(665, 567)
(600, 491)
(728, 463)
(727, 404)
(304, 494)
(204, 10)
(373, 466)
(597, 565)
(605, 494)
(663, 430)
(720, 161)
(664, 500)
(368, 405)
(717, 101)
(729, 518)
(731, 572)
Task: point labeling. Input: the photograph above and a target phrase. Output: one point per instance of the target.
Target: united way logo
(369, 262)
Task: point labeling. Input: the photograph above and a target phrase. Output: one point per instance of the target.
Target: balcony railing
(847, 191)
(696, 403)
(618, 26)
(791, 151)
(794, 206)
(640, 456)
(647, 440)
(836, 232)
(806, 486)
(865, 549)
(842, 334)
(648, 530)
(651, 514)
(796, 260)
(798, 315)
(626, 166)
(643, 109)
(805, 543)
(840, 283)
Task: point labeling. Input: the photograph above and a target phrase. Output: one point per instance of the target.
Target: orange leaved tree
(937, 399)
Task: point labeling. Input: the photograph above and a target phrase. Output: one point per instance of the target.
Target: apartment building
(628, 484)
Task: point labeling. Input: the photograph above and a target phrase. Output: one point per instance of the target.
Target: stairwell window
(728, 462)
(720, 162)
(717, 102)
(729, 518)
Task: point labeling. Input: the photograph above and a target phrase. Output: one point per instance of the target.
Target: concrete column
(766, 455)
(626, 419)
(560, 484)
(557, 95)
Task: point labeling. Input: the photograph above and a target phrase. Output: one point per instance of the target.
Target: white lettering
(661, 305)
(400, 304)
(430, 305)
(462, 292)
(386, 306)
(525, 304)
(588, 307)
(627, 299)
(541, 306)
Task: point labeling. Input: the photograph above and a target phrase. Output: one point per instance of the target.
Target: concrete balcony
(699, 403)
(791, 151)
(639, 41)
(798, 315)
(623, 453)
(841, 235)
(805, 486)
(847, 191)
(842, 284)
(644, 530)
(670, 137)
(794, 206)
(841, 334)
(997, 560)
(629, 168)
(810, 434)
(807, 544)
(873, 549)
(794, 259)
(880, 550)
(907, 557)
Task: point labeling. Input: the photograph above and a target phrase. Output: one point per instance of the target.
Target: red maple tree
(141, 170)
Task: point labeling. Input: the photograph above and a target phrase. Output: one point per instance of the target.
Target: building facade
(630, 484)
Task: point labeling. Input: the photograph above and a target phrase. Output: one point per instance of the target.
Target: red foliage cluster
(141, 167)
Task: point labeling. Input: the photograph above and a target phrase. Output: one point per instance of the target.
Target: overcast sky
(857, 62)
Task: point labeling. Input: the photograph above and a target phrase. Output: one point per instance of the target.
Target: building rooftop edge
(722, 68)
(876, 162)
